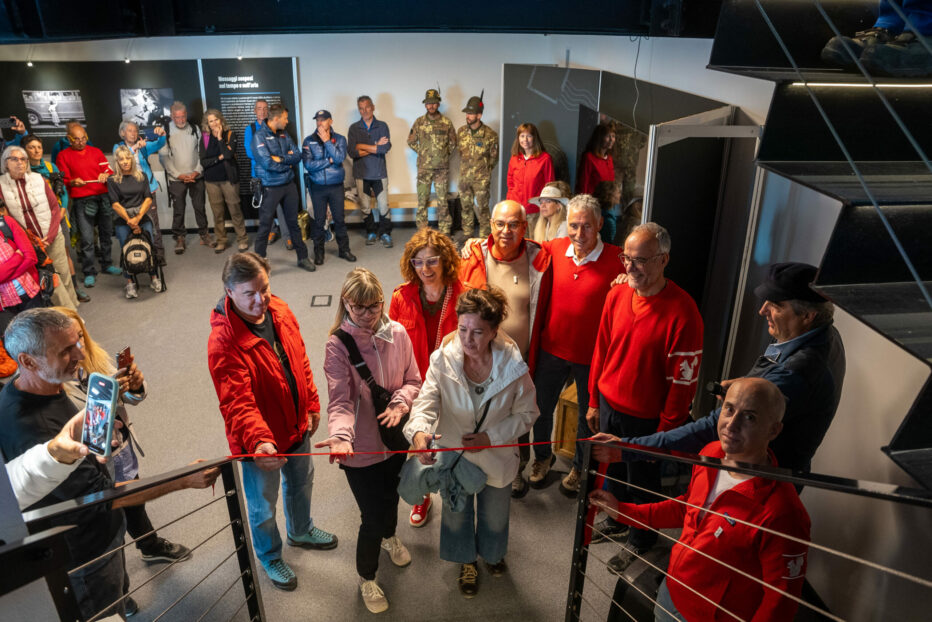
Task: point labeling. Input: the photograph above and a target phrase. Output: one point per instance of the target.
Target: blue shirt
(371, 166)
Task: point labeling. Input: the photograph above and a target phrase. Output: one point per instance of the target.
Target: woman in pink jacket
(353, 423)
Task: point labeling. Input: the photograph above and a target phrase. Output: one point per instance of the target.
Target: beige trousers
(224, 195)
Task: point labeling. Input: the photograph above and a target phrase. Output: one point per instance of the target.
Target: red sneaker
(420, 513)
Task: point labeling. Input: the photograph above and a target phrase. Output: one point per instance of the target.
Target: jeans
(177, 191)
(321, 196)
(640, 473)
(481, 530)
(549, 377)
(664, 600)
(102, 220)
(375, 488)
(122, 234)
(101, 583)
(287, 195)
(918, 12)
(384, 214)
(261, 490)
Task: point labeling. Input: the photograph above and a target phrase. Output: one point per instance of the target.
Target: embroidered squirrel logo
(688, 368)
(795, 566)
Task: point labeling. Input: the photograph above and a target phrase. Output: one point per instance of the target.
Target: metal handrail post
(241, 535)
(580, 551)
(41, 555)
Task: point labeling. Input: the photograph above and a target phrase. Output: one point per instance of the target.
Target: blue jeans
(332, 195)
(102, 220)
(261, 490)
(549, 376)
(664, 600)
(122, 231)
(918, 11)
(463, 538)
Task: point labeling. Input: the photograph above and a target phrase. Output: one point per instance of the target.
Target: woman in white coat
(477, 392)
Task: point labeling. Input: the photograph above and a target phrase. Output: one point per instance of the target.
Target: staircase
(862, 270)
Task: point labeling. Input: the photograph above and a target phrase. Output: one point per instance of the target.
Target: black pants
(640, 473)
(7, 314)
(375, 488)
(138, 524)
(178, 190)
(287, 195)
(330, 195)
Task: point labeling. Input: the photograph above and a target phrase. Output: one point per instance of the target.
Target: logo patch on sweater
(794, 566)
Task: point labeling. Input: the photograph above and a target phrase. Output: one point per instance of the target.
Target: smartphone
(7, 123)
(102, 393)
(123, 358)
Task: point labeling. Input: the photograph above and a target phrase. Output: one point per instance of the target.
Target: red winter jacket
(406, 309)
(774, 560)
(255, 400)
(526, 178)
(592, 171)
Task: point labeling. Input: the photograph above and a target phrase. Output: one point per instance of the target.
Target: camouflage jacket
(478, 151)
(433, 141)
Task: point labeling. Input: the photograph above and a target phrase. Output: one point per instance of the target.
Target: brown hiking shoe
(179, 246)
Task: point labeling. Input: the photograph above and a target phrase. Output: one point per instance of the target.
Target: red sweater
(774, 560)
(406, 309)
(646, 364)
(526, 178)
(592, 171)
(576, 299)
(86, 164)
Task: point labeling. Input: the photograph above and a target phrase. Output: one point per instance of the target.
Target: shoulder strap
(355, 357)
(482, 418)
(5, 229)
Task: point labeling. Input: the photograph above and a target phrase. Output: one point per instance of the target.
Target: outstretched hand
(421, 441)
(605, 453)
(340, 450)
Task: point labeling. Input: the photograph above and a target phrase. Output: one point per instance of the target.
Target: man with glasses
(647, 357)
(520, 268)
(270, 406)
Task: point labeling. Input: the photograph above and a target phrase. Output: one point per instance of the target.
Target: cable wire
(621, 576)
(224, 593)
(191, 589)
(597, 612)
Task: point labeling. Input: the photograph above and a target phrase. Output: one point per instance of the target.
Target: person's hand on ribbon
(606, 453)
(421, 441)
(393, 414)
(340, 450)
(271, 463)
(477, 441)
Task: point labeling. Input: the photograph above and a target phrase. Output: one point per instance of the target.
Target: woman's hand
(621, 279)
(340, 450)
(480, 439)
(393, 414)
(421, 441)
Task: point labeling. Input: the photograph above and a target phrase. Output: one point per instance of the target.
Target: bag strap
(356, 358)
(5, 229)
(476, 431)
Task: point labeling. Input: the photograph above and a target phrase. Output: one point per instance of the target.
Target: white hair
(657, 232)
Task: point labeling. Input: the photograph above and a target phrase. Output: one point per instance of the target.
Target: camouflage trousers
(475, 188)
(440, 177)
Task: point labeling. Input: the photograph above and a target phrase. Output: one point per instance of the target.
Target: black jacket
(227, 148)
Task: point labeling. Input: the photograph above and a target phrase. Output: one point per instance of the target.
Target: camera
(57, 183)
(7, 123)
(163, 122)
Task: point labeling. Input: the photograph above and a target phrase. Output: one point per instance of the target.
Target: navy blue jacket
(265, 144)
(370, 166)
(323, 161)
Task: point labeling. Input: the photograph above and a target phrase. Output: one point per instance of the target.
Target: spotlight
(239, 58)
(29, 63)
(126, 60)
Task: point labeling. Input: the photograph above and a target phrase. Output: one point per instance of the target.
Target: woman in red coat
(426, 306)
(597, 165)
(529, 169)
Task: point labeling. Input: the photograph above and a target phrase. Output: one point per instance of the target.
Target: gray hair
(585, 203)
(28, 332)
(178, 105)
(659, 233)
(9, 152)
(824, 310)
(364, 98)
(124, 125)
(243, 267)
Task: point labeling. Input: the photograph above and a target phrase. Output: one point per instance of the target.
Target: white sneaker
(372, 596)
(130, 290)
(397, 551)
(156, 284)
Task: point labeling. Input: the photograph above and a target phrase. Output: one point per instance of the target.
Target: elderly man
(182, 163)
(33, 410)
(143, 148)
(583, 270)
(433, 138)
(478, 147)
(368, 142)
(521, 268)
(32, 203)
(85, 170)
(702, 587)
(647, 357)
(269, 405)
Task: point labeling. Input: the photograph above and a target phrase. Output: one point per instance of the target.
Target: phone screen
(98, 415)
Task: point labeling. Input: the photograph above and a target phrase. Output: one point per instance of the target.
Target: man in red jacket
(269, 405)
(726, 508)
(645, 364)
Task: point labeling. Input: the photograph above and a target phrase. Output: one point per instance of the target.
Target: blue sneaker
(328, 233)
(387, 240)
(371, 239)
(281, 575)
(90, 280)
(317, 539)
(113, 270)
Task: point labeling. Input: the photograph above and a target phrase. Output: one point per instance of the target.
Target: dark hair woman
(596, 165)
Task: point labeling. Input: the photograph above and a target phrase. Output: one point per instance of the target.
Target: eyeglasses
(430, 262)
(512, 225)
(363, 309)
(637, 261)
(15, 159)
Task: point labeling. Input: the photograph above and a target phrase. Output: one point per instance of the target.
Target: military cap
(474, 105)
(431, 97)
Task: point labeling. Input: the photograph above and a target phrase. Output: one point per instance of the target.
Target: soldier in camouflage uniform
(434, 139)
(478, 146)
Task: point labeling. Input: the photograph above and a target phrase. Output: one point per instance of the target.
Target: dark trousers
(8, 313)
(102, 222)
(641, 473)
(384, 226)
(549, 377)
(321, 197)
(287, 195)
(375, 488)
(178, 190)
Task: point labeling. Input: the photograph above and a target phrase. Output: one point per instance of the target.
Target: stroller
(138, 257)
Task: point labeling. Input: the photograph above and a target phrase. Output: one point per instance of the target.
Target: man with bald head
(521, 268)
(722, 519)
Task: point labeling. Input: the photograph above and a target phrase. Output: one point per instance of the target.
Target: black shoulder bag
(393, 438)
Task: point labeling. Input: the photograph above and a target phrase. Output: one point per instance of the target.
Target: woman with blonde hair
(530, 167)
(217, 151)
(372, 379)
(551, 222)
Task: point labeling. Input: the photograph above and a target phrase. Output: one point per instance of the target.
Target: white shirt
(593, 256)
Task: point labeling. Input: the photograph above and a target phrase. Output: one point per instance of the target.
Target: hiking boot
(607, 530)
(130, 606)
(347, 255)
(130, 290)
(82, 295)
(397, 551)
(179, 246)
(619, 563)
(156, 284)
(207, 240)
(113, 270)
(834, 52)
(281, 575)
(497, 570)
(372, 596)
(305, 264)
(219, 247)
(328, 233)
(420, 513)
(539, 471)
(387, 241)
(289, 245)
(518, 486)
(316, 539)
(90, 280)
(468, 580)
(273, 237)
(165, 551)
(904, 57)
(570, 484)
(371, 239)
(319, 255)
(243, 246)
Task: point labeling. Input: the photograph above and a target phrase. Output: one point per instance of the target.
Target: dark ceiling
(37, 21)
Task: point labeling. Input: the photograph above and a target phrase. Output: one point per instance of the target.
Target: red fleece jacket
(86, 164)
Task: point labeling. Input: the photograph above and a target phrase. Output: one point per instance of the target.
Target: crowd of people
(472, 351)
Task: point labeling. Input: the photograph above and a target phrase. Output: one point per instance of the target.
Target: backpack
(137, 254)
